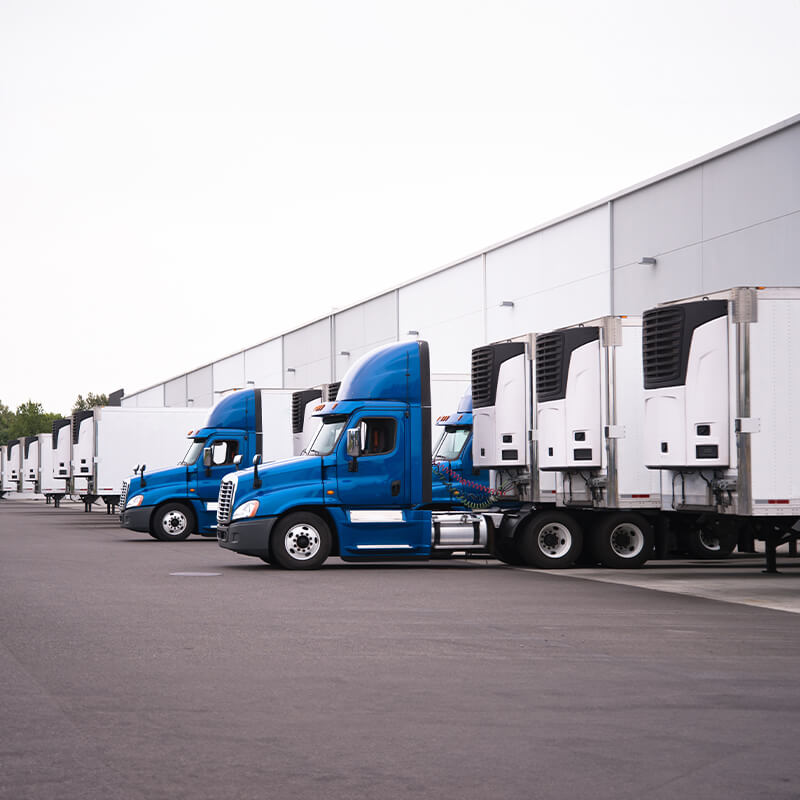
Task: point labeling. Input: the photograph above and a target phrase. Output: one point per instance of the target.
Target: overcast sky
(180, 179)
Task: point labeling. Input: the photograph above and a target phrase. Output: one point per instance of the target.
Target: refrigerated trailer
(12, 473)
(722, 411)
(30, 465)
(559, 422)
(109, 441)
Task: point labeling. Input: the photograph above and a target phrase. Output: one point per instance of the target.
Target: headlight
(135, 501)
(247, 509)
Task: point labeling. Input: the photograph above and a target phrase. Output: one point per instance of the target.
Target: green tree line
(30, 419)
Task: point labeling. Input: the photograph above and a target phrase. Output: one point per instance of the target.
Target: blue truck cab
(170, 504)
(363, 489)
(456, 481)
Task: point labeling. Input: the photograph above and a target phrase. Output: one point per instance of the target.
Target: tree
(91, 401)
(31, 419)
(7, 418)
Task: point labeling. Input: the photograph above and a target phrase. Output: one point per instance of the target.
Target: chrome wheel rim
(554, 540)
(174, 523)
(302, 541)
(627, 540)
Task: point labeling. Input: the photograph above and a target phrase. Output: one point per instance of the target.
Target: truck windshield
(193, 453)
(327, 436)
(451, 444)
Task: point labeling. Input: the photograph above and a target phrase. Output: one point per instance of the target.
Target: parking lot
(140, 669)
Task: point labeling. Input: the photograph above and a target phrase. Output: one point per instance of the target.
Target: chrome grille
(123, 497)
(225, 501)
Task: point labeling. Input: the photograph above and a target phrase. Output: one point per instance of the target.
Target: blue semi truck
(364, 488)
(171, 504)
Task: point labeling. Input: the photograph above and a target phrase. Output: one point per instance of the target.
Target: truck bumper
(136, 519)
(250, 537)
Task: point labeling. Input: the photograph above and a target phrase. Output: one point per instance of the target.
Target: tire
(708, 543)
(301, 540)
(624, 540)
(172, 522)
(551, 540)
(507, 551)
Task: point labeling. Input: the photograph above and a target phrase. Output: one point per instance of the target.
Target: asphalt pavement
(134, 669)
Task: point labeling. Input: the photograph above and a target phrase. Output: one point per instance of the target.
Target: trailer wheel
(624, 541)
(172, 522)
(507, 551)
(708, 543)
(552, 540)
(301, 540)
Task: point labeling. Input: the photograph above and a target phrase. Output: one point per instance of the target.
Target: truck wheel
(507, 551)
(707, 543)
(300, 541)
(552, 540)
(624, 541)
(172, 522)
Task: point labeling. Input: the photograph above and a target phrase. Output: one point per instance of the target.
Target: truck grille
(482, 363)
(227, 489)
(123, 497)
(662, 345)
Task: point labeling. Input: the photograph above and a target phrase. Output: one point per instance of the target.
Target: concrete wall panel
(753, 184)
(764, 255)
(229, 373)
(307, 355)
(659, 219)
(175, 392)
(263, 364)
(358, 330)
(151, 398)
(199, 388)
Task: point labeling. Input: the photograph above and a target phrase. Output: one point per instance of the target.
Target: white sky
(180, 179)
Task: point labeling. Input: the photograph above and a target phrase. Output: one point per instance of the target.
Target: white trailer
(558, 419)
(12, 474)
(109, 441)
(61, 458)
(722, 404)
(2, 469)
(30, 465)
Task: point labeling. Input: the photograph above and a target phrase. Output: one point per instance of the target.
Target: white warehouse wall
(729, 218)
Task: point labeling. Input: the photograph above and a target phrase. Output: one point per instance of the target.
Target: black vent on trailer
(299, 402)
(29, 440)
(77, 418)
(333, 391)
(667, 338)
(486, 363)
(553, 354)
(57, 426)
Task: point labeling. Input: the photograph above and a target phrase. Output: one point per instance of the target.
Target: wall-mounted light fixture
(291, 369)
(412, 333)
(506, 304)
(251, 383)
(344, 352)
(647, 261)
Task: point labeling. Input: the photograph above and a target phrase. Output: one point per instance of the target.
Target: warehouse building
(729, 218)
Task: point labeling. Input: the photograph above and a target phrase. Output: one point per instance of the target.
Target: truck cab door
(223, 451)
(377, 478)
(373, 489)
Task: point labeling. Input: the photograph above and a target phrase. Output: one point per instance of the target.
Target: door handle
(395, 488)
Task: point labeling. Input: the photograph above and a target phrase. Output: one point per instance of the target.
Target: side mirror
(141, 475)
(237, 459)
(353, 442)
(257, 482)
(206, 456)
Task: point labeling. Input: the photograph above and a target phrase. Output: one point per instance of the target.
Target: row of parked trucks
(607, 441)
(600, 439)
